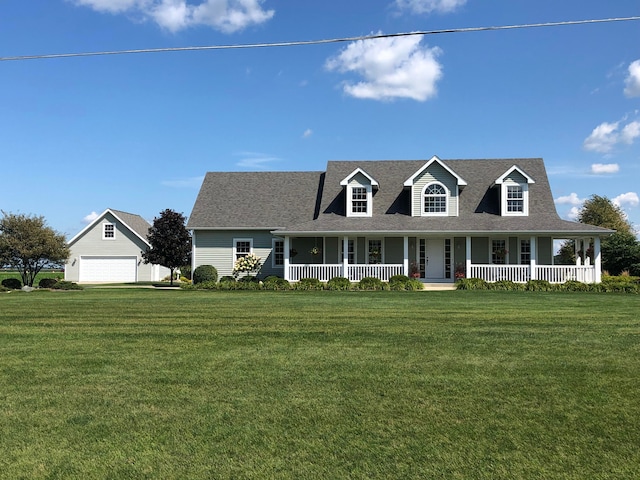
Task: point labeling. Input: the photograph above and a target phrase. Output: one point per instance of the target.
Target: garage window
(108, 231)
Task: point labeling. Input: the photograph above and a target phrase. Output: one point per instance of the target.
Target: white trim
(501, 178)
(349, 193)
(409, 182)
(104, 230)
(447, 194)
(235, 244)
(345, 181)
(101, 217)
(504, 200)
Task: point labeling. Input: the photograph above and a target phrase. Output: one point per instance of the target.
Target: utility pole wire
(318, 42)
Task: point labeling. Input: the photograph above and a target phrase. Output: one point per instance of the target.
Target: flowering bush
(247, 264)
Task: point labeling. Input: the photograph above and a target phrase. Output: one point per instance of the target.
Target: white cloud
(391, 68)
(604, 168)
(90, 218)
(307, 133)
(632, 82)
(573, 213)
(571, 199)
(428, 6)
(606, 136)
(225, 15)
(255, 160)
(629, 199)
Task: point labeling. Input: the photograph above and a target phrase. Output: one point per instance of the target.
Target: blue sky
(138, 132)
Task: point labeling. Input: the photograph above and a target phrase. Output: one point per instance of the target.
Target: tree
(170, 241)
(28, 245)
(621, 250)
(602, 212)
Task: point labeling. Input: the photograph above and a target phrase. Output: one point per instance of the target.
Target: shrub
(626, 284)
(308, 284)
(399, 278)
(184, 279)
(248, 279)
(63, 285)
(206, 285)
(12, 283)
(472, 284)
(47, 282)
(205, 273)
(414, 285)
(575, 286)
(370, 283)
(506, 285)
(275, 283)
(185, 271)
(339, 283)
(539, 286)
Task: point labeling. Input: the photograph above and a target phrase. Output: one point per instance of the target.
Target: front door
(432, 258)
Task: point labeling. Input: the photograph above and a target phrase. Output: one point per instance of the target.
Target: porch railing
(563, 273)
(494, 273)
(522, 273)
(354, 273)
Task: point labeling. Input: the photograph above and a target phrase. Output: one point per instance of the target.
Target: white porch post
(597, 260)
(468, 257)
(533, 247)
(286, 258)
(345, 256)
(405, 258)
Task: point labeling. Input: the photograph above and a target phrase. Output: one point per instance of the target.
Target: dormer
(358, 187)
(435, 190)
(514, 192)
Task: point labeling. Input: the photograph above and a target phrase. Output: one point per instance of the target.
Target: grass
(141, 383)
(42, 274)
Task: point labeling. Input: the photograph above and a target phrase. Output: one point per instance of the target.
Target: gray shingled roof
(265, 200)
(313, 202)
(134, 222)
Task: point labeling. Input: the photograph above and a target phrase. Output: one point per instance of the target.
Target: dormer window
(515, 199)
(359, 201)
(514, 192)
(359, 193)
(435, 199)
(435, 190)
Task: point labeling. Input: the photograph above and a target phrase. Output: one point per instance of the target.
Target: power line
(317, 42)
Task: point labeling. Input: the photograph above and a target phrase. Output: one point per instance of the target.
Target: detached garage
(109, 250)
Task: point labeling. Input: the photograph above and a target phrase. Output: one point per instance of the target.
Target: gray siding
(545, 250)
(393, 250)
(435, 173)
(215, 247)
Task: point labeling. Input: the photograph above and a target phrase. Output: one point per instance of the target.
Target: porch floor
(441, 286)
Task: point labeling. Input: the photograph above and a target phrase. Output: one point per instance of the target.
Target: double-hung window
(359, 200)
(515, 199)
(278, 253)
(242, 247)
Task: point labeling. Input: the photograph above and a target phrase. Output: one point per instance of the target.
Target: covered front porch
(435, 259)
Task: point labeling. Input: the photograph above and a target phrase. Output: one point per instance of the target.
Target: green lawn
(141, 383)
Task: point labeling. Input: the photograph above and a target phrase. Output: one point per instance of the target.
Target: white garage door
(108, 269)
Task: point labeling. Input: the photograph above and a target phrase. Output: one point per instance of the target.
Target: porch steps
(439, 286)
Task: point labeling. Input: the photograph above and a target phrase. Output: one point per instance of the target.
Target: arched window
(435, 199)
